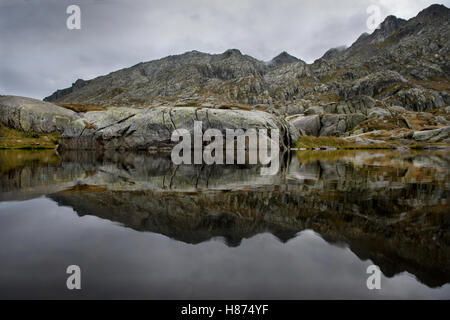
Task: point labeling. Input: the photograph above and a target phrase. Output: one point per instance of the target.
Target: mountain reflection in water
(389, 207)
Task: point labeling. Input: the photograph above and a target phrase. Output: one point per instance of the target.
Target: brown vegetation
(15, 139)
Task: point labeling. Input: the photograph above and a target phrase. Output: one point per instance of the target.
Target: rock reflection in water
(390, 207)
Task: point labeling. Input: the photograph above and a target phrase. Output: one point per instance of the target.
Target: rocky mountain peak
(434, 11)
(232, 52)
(283, 58)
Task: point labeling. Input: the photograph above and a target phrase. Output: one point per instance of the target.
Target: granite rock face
(31, 115)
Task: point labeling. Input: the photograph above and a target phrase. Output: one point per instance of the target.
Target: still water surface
(140, 227)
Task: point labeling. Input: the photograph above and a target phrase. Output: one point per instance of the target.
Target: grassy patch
(417, 146)
(187, 104)
(235, 106)
(439, 84)
(86, 188)
(15, 139)
(80, 107)
(310, 142)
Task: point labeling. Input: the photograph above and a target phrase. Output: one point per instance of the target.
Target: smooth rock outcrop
(151, 128)
(31, 115)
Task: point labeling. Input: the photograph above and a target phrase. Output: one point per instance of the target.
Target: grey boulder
(307, 125)
(337, 124)
(377, 112)
(437, 135)
(31, 115)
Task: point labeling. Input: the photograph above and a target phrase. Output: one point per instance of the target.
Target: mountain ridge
(417, 49)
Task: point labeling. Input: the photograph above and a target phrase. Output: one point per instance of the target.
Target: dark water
(139, 227)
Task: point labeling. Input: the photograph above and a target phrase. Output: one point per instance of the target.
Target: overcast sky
(38, 54)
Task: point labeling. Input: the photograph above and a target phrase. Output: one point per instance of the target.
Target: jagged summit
(283, 58)
(231, 52)
(390, 25)
(397, 40)
(434, 11)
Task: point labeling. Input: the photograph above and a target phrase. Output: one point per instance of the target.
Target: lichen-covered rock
(31, 115)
